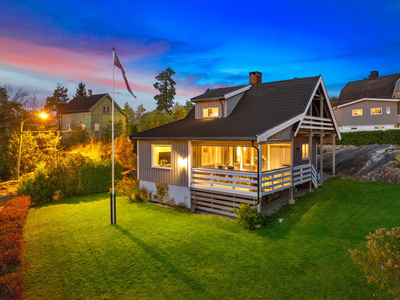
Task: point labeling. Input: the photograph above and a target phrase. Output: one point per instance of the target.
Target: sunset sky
(207, 43)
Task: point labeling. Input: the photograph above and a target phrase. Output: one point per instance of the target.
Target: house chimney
(255, 77)
(89, 93)
(373, 75)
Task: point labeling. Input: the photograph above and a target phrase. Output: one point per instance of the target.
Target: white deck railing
(317, 123)
(245, 183)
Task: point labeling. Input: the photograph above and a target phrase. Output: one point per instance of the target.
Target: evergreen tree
(58, 100)
(166, 87)
(80, 90)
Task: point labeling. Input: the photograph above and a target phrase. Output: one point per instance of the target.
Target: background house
(369, 104)
(240, 144)
(91, 112)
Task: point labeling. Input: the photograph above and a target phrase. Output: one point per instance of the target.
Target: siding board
(177, 175)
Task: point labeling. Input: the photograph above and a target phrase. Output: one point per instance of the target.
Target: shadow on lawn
(191, 283)
(74, 200)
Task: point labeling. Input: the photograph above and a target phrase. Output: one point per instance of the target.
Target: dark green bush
(37, 186)
(95, 177)
(248, 217)
(361, 138)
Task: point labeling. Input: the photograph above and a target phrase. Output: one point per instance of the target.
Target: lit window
(161, 156)
(387, 110)
(211, 112)
(68, 126)
(96, 126)
(376, 111)
(83, 126)
(357, 112)
(380, 127)
(304, 151)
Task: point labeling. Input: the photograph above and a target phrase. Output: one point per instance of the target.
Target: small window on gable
(104, 109)
(357, 112)
(211, 112)
(162, 156)
(108, 109)
(96, 126)
(376, 111)
(387, 110)
(304, 151)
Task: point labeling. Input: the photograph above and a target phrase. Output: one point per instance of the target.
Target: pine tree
(166, 87)
(80, 90)
(58, 100)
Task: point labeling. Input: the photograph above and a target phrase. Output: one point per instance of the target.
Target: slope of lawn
(158, 253)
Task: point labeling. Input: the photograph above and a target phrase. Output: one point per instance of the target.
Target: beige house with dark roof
(91, 112)
(369, 104)
(240, 144)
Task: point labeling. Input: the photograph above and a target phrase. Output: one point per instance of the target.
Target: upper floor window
(106, 109)
(376, 111)
(211, 112)
(161, 156)
(357, 112)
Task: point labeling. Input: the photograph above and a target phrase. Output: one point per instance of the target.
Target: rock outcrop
(366, 163)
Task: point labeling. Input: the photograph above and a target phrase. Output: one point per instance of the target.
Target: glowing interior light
(43, 115)
(238, 151)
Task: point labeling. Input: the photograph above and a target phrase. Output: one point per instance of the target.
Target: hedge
(95, 177)
(12, 222)
(361, 138)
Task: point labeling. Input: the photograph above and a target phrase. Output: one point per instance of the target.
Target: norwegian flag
(118, 65)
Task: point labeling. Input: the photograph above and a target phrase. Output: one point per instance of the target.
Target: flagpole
(112, 198)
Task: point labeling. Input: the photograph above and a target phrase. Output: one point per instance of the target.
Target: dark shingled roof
(261, 108)
(81, 104)
(217, 93)
(381, 88)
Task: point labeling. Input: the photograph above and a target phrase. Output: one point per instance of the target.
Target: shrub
(361, 138)
(127, 187)
(382, 260)
(36, 185)
(12, 222)
(248, 217)
(95, 177)
(161, 192)
(144, 195)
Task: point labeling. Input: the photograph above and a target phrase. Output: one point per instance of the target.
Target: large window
(161, 156)
(211, 112)
(376, 111)
(357, 112)
(274, 156)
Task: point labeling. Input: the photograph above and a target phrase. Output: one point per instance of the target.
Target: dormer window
(211, 112)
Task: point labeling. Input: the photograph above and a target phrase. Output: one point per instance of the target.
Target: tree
(80, 90)
(123, 151)
(58, 100)
(333, 101)
(188, 105)
(154, 119)
(179, 111)
(166, 87)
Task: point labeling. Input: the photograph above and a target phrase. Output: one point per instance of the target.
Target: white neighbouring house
(369, 104)
(240, 144)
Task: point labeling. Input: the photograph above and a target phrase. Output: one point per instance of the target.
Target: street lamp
(43, 115)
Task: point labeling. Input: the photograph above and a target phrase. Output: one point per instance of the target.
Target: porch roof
(262, 107)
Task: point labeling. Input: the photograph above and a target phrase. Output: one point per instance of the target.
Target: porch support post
(291, 200)
(310, 153)
(259, 174)
(321, 156)
(333, 155)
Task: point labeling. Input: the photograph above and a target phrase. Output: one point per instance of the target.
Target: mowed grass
(158, 253)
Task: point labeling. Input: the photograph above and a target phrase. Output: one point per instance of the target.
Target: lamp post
(43, 115)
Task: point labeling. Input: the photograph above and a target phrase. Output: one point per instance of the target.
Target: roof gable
(81, 104)
(381, 88)
(219, 93)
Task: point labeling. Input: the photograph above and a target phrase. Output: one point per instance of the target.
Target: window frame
(388, 110)
(152, 156)
(380, 108)
(206, 109)
(98, 127)
(352, 112)
(307, 150)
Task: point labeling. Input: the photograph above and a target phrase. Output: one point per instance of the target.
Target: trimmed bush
(36, 185)
(12, 222)
(248, 217)
(95, 177)
(361, 138)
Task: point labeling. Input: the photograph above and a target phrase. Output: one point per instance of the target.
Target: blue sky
(208, 44)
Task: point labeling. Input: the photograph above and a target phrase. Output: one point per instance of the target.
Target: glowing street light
(42, 115)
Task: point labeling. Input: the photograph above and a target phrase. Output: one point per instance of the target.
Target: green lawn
(158, 253)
